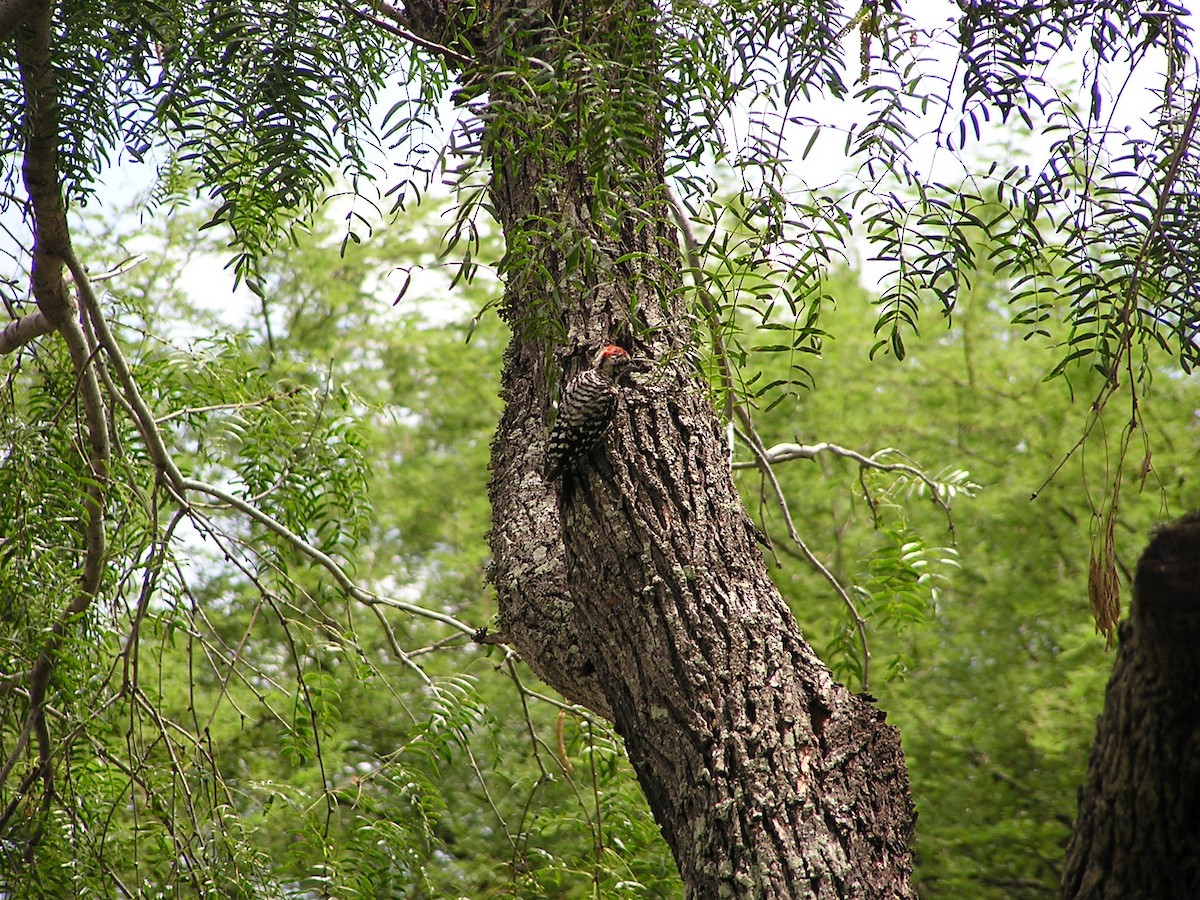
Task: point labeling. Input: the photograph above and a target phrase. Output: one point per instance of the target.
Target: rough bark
(1138, 830)
(637, 587)
(14, 13)
(56, 311)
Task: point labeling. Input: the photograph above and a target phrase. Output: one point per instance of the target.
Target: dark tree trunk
(637, 587)
(1138, 831)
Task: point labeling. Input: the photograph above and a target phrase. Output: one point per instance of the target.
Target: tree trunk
(1138, 830)
(636, 587)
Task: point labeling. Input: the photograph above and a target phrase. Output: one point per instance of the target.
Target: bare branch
(787, 452)
(19, 332)
(323, 559)
(219, 407)
(119, 269)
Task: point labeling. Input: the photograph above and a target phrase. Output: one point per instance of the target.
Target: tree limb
(347, 584)
(39, 166)
(131, 398)
(51, 246)
(754, 442)
(19, 332)
(14, 14)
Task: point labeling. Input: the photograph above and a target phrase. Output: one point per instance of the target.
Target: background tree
(1141, 760)
(569, 119)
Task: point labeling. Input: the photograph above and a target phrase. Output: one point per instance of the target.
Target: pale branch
(449, 640)
(487, 793)
(738, 411)
(236, 652)
(533, 738)
(12, 683)
(749, 434)
(787, 452)
(119, 269)
(754, 442)
(221, 407)
(19, 332)
(153, 568)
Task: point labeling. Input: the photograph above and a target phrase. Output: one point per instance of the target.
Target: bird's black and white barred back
(585, 410)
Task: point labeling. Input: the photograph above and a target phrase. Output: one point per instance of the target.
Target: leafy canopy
(217, 705)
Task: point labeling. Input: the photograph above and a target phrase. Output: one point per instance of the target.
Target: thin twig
(221, 407)
(323, 559)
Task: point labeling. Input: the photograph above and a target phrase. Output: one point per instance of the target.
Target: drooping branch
(142, 416)
(51, 247)
(128, 395)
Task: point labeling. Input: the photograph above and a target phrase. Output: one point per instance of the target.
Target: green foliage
(260, 99)
(244, 730)
(984, 655)
(1087, 235)
(228, 721)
